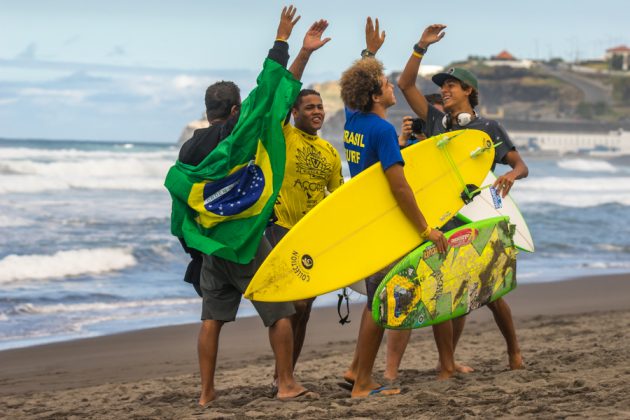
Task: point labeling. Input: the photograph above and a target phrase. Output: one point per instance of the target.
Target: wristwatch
(417, 48)
(367, 53)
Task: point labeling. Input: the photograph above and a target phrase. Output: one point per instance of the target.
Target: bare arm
(407, 201)
(374, 38)
(519, 170)
(312, 42)
(287, 22)
(407, 80)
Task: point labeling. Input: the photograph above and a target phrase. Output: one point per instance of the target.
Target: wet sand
(574, 337)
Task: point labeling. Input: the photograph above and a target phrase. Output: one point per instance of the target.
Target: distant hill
(551, 96)
(545, 97)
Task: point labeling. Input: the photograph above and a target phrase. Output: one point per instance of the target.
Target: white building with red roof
(621, 51)
(504, 58)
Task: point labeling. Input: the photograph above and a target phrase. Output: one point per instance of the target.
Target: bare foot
(445, 374)
(303, 395)
(206, 399)
(294, 390)
(459, 367)
(349, 376)
(516, 361)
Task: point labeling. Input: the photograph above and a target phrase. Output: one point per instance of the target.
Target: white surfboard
(359, 287)
(489, 204)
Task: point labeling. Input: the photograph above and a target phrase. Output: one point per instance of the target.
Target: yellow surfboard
(359, 229)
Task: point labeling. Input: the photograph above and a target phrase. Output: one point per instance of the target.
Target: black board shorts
(372, 282)
(223, 283)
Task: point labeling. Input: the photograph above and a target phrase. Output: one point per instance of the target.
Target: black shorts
(223, 283)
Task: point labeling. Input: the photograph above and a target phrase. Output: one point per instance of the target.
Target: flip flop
(384, 390)
(306, 394)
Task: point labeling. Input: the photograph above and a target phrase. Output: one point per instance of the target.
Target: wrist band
(415, 54)
(417, 48)
(281, 40)
(425, 233)
(367, 53)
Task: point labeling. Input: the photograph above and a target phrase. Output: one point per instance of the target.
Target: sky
(137, 70)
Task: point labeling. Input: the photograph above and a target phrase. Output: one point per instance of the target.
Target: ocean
(85, 247)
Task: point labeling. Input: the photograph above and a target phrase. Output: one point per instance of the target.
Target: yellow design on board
(405, 284)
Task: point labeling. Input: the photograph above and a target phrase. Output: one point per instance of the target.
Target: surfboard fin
(470, 192)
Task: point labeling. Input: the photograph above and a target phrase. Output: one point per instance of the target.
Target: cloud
(79, 100)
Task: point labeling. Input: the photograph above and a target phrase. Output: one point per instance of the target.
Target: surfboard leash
(344, 294)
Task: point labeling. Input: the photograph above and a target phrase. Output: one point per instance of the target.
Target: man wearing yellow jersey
(313, 169)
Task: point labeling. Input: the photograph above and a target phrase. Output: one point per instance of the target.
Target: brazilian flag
(222, 205)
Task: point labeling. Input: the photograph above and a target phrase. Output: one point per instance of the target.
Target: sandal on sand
(384, 390)
(302, 396)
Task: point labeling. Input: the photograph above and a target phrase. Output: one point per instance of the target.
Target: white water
(64, 264)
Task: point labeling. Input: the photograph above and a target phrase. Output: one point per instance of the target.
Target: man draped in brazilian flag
(224, 186)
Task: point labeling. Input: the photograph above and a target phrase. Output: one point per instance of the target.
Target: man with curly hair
(368, 139)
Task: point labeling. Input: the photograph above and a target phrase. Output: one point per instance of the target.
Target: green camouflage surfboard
(426, 288)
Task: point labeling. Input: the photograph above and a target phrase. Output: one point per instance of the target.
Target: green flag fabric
(222, 206)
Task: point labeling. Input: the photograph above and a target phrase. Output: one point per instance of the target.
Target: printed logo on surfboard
(462, 237)
(496, 198)
(299, 263)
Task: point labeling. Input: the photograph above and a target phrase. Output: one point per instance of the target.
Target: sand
(574, 337)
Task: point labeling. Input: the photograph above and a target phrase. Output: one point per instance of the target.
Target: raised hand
(287, 22)
(373, 39)
(432, 34)
(313, 38)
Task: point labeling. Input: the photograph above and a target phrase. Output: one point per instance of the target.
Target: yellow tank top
(312, 167)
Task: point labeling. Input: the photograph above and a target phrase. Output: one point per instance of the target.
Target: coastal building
(620, 53)
(613, 143)
(504, 58)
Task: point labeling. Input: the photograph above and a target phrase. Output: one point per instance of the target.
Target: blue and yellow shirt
(369, 139)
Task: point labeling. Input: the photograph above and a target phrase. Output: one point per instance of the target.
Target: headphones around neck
(463, 119)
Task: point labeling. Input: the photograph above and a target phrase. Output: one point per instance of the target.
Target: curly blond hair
(360, 82)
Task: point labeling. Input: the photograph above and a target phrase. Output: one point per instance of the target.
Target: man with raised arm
(312, 169)
(460, 94)
(369, 138)
(228, 266)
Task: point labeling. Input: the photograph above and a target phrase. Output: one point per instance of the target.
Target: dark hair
(473, 98)
(302, 94)
(220, 98)
(434, 99)
(360, 82)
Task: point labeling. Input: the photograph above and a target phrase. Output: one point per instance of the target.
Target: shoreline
(128, 350)
(355, 299)
(572, 334)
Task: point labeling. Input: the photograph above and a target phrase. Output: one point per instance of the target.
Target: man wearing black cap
(460, 94)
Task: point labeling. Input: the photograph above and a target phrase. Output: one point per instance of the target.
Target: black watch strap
(367, 53)
(417, 48)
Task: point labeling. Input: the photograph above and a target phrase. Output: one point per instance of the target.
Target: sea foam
(64, 264)
(573, 192)
(587, 165)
